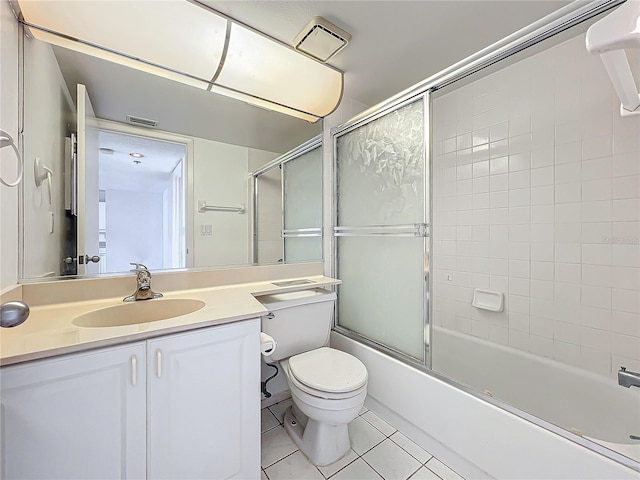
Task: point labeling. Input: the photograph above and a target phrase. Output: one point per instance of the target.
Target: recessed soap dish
(292, 283)
(488, 300)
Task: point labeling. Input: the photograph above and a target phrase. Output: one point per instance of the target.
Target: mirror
(149, 189)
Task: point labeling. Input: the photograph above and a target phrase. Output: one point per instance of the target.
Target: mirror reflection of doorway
(142, 202)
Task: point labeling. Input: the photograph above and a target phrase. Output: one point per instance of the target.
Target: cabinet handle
(158, 363)
(134, 370)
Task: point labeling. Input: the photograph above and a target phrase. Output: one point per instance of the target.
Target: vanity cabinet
(182, 406)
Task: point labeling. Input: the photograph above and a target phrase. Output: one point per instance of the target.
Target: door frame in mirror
(121, 128)
(188, 142)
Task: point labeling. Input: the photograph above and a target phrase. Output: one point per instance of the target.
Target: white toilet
(328, 387)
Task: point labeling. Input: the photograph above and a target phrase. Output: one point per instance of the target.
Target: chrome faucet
(143, 290)
(628, 379)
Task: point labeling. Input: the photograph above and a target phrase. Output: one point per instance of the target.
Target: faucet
(143, 289)
(628, 379)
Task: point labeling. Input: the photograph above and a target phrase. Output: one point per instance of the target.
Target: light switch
(206, 230)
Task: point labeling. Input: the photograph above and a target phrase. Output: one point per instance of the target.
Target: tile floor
(378, 451)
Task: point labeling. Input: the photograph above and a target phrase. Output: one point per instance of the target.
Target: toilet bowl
(328, 389)
(328, 386)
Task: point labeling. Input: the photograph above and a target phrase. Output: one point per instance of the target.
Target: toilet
(328, 386)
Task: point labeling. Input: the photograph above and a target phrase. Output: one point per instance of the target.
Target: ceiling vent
(321, 39)
(145, 122)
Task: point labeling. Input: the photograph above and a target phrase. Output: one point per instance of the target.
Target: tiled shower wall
(536, 194)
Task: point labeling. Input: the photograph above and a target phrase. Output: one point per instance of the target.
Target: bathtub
(590, 405)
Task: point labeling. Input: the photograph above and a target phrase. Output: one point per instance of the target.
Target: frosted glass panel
(303, 191)
(381, 170)
(302, 249)
(382, 291)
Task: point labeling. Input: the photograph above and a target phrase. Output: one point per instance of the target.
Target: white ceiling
(395, 44)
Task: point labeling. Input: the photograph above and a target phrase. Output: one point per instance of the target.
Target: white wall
(8, 122)
(48, 112)
(137, 235)
(537, 195)
(220, 178)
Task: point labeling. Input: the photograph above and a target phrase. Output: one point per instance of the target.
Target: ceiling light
(321, 39)
(136, 155)
(192, 44)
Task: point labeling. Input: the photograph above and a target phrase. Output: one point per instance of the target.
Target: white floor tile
(267, 420)
(263, 476)
(380, 424)
(410, 447)
(425, 474)
(440, 469)
(391, 461)
(364, 410)
(294, 466)
(364, 436)
(276, 444)
(339, 465)
(279, 408)
(358, 470)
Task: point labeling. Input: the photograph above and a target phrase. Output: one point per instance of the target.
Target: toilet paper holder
(267, 344)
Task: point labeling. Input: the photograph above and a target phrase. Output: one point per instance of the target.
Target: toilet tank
(298, 321)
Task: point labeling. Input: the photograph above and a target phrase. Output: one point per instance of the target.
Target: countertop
(49, 330)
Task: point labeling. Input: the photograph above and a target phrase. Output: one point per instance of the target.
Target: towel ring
(7, 140)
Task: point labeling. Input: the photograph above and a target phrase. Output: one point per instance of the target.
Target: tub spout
(628, 379)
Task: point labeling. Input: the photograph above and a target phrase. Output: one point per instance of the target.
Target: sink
(142, 311)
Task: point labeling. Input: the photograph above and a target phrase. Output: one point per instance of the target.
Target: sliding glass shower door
(382, 230)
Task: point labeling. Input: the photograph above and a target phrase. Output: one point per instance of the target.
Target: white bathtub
(591, 405)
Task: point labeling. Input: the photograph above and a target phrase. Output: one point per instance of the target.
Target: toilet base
(322, 443)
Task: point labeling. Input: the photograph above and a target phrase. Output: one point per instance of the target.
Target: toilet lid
(328, 370)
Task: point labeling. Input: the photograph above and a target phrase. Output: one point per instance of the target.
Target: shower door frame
(556, 23)
(306, 147)
(419, 230)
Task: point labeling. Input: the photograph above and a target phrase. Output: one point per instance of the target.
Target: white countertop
(50, 331)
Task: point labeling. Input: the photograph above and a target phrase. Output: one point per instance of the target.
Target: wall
(537, 195)
(48, 115)
(134, 237)
(220, 178)
(8, 169)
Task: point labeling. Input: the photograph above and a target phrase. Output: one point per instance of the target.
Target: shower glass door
(302, 197)
(382, 230)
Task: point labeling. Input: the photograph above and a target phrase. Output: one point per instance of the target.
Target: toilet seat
(327, 373)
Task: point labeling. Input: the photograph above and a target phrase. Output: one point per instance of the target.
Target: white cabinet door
(204, 404)
(80, 416)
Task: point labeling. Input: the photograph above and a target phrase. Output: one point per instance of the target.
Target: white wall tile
(626, 187)
(626, 300)
(543, 205)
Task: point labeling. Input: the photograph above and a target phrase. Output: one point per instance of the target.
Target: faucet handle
(139, 267)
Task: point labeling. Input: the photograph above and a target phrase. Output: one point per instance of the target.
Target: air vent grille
(142, 121)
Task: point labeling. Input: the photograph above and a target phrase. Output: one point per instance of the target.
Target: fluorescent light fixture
(192, 44)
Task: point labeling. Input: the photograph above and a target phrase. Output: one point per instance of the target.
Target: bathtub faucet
(628, 379)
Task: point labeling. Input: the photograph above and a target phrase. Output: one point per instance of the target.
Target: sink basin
(142, 311)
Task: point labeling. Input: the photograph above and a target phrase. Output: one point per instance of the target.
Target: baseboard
(276, 398)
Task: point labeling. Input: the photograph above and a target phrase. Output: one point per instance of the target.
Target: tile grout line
(361, 456)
